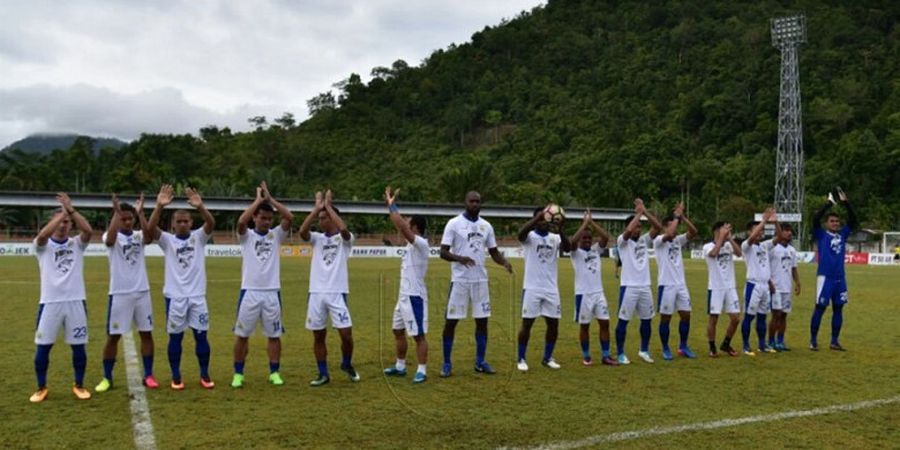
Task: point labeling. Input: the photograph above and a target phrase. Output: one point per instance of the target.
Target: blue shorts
(832, 290)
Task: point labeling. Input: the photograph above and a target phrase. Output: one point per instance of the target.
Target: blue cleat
(393, 371)
(667, 354)
(686, 352)
(446, 370)
(419, 378)
(622, 359)
(485, 368)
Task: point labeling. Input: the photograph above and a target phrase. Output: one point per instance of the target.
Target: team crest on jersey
(64, 259)
(263, 250)
(836, 243)
(115, 325)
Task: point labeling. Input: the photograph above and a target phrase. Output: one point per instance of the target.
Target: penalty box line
(658, 431)
(140, 409)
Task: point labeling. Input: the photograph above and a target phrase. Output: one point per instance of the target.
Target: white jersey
(127, 269)
(471, 238)
(635, 265)
(783, 258)
(328, 270)
(62, 269)
(720, 268)
(261, 254)
(757, 258)
(670, 267)
(185, 264)
(413, 268)
(587, 270)
(541, 256)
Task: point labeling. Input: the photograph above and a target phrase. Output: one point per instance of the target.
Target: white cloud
(119, 68)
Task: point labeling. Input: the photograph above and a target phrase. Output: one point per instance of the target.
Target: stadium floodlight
(788, 33)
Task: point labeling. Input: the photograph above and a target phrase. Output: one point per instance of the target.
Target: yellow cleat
(40, 395)
(104, 385)
(81, 393)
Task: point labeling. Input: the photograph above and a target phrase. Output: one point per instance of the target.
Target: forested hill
(579, 102)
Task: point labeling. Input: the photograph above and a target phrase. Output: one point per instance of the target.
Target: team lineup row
(465, 243)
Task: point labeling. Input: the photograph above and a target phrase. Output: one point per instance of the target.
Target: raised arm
(245, 216)
(635, 225)
(681, 217)
(307, 222)
(603, 237)
(564, 244)
(287, 217)
(193, 198)
(342, 227)
(528, 226)
(48, 229)
(817, 216)
(84, 227)
(655, 226)
(586, 222)
(142, 220)
(720, 238)
(401, 225)
(734, 245)
(852, 220)
(163, 199)
(115, 223)
(756, 232)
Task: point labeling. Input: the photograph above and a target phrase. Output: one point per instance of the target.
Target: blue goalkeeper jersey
(832, 248)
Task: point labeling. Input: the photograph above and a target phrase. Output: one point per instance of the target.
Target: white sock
(401, 364)
(421, 369)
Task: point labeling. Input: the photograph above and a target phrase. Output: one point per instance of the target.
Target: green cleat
(237, 380)
(275, 378)
(104, 385)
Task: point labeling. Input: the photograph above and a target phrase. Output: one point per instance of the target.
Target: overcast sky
(119, 68)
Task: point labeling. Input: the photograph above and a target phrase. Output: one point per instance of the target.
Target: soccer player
(757, 299)
(634, 293)
(831, 282)
(540, 293)
(328, 285)
(260, 296)
(783, 261)
(671, 287)
(63, 299)
(129, 291)
(722, 291)
(590, 300)
(411, 312)
(463, 244)
(185, 280)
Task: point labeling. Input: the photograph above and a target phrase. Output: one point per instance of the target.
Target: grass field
(468, 409)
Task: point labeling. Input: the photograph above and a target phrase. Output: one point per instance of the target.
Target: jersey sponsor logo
(640, 252)
(724, 261)
(674, 254)
(762, 258)
(64, 259)
(475, 238)
(184, 255)
(329, 253)
(544, 251)
(592, 261)
(263, 249)
(131, 251)
(786, 263)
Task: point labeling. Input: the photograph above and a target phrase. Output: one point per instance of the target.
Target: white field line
(140, 410)
(657, 431)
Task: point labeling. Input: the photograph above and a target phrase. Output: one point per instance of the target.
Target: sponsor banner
(883, 259)
(15, 250)
(856, 258)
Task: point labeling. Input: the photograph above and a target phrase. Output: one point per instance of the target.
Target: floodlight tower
(788, 33)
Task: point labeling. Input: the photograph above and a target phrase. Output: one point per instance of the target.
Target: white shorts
(756, 298)
(411, 314)
(673, 298)
(781, 301)
(126, 308)
(320, 305)
(185, 312)
(591, 306)
(633, 298)
(71, 315)
(259, 306)
(462, 293)
(538, 303)
(719, 299)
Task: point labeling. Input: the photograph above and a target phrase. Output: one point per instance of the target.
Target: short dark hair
(420, 222)
(788, 227)
(752, 224)
(718, 225)
(667, 219)
(127, 207)
(629, 219)
(264, 207)
(832, 214)
(537, 211)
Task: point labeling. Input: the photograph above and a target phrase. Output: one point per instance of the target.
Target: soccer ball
(554, 213)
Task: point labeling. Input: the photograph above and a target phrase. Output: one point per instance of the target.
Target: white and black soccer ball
(554, 213)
